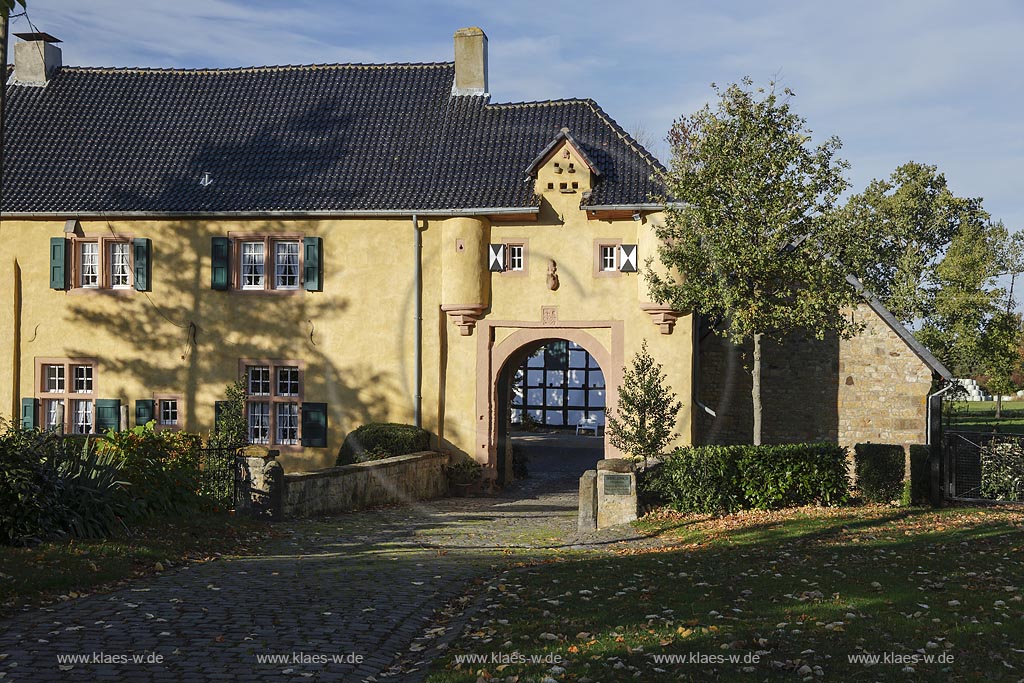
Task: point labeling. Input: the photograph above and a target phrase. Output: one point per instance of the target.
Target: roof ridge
(254, 69)
(543, 103)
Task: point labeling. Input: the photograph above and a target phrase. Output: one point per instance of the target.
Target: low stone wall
(403, 478)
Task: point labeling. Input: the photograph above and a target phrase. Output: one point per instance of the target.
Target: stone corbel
(464, 315)
(663, 316)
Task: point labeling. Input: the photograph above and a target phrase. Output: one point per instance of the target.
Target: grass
(980, 416)
(59, 570)
(780, 591)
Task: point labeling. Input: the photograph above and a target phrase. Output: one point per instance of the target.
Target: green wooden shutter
(58, 263)
(220, 273)
(314, 425)
(145, 411)
(218, 410)
(313, 262)
(29, 413)
(108, 414)
(142, 246)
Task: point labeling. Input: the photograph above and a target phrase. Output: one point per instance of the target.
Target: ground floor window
(275, 390)
(65, 388)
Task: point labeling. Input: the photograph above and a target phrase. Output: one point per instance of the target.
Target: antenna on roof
(206, 179)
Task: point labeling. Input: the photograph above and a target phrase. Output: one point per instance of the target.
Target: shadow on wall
(799, 390)
(183, 337)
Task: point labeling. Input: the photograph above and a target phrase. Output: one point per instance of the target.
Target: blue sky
(940, 82)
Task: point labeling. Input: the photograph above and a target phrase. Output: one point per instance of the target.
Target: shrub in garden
(1002, 470)
(880, 469)
(794, 474)
(378, 440)
(710, 479)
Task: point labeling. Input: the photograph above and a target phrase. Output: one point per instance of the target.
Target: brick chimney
(470, 62)
(36, 59)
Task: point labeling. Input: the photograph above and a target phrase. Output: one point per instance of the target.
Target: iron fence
(218, 475)
(984, 466)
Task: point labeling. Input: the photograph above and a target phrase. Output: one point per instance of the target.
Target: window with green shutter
(313, 262)
(58, 263)
(29, 412)
(314, 425)
(142, 248)
(145, 411)
(220, 274)
(108, 414)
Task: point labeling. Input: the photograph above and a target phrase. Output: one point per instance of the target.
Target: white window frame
(71, 384)
(120, 264)
(259, 429)
(165, 407)
(286, 420)
(89, 268)
(286, 392)
(609, 258)
(287, 269)
(83, 418)
(253, 273)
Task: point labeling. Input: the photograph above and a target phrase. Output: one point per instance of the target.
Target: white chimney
(36, 59)
(470, 62)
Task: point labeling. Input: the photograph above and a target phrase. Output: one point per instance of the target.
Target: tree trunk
(999, 407)
(755, 389)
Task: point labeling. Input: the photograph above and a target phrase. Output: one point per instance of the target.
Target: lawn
(61, 570)
(790, 595)
(980, 416)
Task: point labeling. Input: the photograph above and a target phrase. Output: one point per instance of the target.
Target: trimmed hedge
(880, 471)
(378, 440)
(713, 479)
(920, 475)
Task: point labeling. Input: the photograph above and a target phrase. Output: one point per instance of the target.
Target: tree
(1000, 355)
(965, 298)
(908, 223)
(232, 428)
(751, 224)
(641, 423)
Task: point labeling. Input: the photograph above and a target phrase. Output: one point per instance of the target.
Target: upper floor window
(103, 263)
(516, 257)
(269, 263)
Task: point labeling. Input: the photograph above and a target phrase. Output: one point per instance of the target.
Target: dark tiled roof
(307, 138)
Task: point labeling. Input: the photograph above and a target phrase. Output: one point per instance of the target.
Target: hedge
(880, 471)
(713, 479)
(382, 440)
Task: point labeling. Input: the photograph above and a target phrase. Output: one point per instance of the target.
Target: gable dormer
(563, 169)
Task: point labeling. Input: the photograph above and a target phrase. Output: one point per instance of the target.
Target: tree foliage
(752, 226)
(641, 423)
(232, 428)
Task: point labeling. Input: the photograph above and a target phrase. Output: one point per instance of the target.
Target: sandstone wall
(401, 479)
(869, 388)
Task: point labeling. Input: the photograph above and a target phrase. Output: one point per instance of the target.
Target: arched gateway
(502, 346)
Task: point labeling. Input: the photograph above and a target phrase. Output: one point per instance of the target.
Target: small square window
(609, 260)
(83, 378)
(288, 381)
(55, 379)
(169, 411)
(516, 254)
(259, 380)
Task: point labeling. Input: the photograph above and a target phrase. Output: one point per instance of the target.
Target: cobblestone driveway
(359, 587)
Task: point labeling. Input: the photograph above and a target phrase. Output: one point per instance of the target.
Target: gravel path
(349, 598)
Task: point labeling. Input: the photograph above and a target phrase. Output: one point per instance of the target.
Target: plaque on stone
(617, 484)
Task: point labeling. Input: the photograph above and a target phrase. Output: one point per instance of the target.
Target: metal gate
(983, 466)
(219, 471)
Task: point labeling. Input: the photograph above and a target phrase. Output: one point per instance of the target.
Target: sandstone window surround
(606, 257)
(273, 407)
(259, 262)
(170, 411)
(66, 391)
(517, 257)
(102, 263)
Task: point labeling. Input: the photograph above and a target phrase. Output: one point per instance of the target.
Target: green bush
(52, 486)
(880, 469)
(161, 469)
(1002, 470)
(711, 479)
(703, 479)
(920, 485)
(378, 440)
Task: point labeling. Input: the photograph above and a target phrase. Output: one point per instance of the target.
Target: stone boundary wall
(401, 479)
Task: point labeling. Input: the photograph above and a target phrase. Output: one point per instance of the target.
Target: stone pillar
(588, 503)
